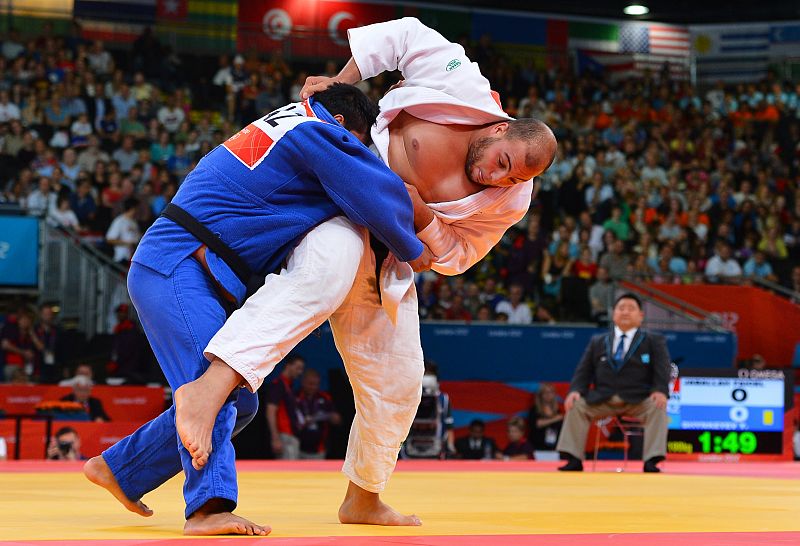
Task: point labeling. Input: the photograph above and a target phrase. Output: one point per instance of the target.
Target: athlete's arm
(356, 180)
(424, 57)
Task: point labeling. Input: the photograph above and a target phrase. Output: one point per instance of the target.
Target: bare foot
(361, 506)
(197, 404)
(97, 470)
(194, 419)
(209, 521)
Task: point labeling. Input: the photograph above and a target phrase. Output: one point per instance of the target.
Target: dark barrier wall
(524, 353)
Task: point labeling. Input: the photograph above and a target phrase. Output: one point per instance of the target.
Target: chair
(628, 426)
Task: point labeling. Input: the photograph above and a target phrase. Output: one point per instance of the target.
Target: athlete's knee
(405, 390)
(335, 250)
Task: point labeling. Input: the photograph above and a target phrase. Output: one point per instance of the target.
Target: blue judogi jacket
(264, 188)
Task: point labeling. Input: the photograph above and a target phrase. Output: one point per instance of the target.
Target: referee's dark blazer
(644, 369)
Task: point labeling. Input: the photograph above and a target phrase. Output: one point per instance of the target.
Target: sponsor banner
(19, 251)
(138, 404)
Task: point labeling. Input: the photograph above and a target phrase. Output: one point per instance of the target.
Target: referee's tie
(620, 352)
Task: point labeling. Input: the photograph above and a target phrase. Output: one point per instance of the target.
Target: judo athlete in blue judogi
(258, 193)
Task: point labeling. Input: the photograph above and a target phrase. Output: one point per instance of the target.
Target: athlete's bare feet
(197, 404)
(361, 506)
(97, 470)
(211, 519)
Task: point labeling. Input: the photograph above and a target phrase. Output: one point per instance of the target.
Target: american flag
(654, 40)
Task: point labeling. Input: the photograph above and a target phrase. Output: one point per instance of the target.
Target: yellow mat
(38, 506)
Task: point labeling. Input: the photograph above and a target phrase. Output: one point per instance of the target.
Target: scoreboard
(716, 414)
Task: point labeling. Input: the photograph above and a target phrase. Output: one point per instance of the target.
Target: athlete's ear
(340, 119)
(499, 129)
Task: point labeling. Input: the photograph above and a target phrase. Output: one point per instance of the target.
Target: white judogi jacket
(443, 86)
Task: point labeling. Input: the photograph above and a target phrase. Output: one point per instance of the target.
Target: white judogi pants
(331, 276)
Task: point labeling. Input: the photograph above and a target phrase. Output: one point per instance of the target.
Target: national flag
(731, 53)
(620, 66)
(510, 29)
(305, 29)
(593, 36)
(450, 23)
(669, 40)
(139, 12)
(199, 25)
(114, 20)
(171, 9)
(654, 39)
(784, 40)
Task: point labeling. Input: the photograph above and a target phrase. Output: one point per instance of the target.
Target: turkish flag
(174, 10)
(305, 29)
(335, 18)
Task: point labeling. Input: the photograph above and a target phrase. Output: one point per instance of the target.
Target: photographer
(65, 446)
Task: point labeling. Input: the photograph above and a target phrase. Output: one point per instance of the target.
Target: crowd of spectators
(654, 178)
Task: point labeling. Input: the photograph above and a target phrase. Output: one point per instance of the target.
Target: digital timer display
(727, 412)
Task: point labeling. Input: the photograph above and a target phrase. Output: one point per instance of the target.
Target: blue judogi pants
(180, 313)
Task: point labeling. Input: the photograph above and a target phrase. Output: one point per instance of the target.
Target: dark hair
(477, 423)
(358, 109)
(629, 296)
(291, 358)
(534, 131)
(65, 430)
(130, 203)
(431, 368)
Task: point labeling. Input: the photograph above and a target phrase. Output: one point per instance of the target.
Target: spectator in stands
(65, 446)
(49, 333)
(126, 156)
(625, 372)
(20, 344)
(757, 362)
(124, 234)
(82, 394)
(615, 261)
(476, 445)
(758, 267)
(81, 370)
(317, 414)
(8, 110)
(43, 199)
(794, 284)
(282, 411)
(517, 311)
(544, 419)
(722, 266)
(601, 295)
(518, 448)
(63, 215)
(128, 349)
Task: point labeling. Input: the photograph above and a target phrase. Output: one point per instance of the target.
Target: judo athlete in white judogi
(469, 170)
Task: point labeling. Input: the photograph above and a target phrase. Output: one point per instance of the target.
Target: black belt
(250, 280)
(381, 252)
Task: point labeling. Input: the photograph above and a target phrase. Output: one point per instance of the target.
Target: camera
(65, 447)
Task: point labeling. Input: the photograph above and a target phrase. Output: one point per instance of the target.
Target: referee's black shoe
(650, 465)
(573, 464)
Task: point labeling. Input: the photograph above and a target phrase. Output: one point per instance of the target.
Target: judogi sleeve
(364, 188)
(424, 57)
(459, 242)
